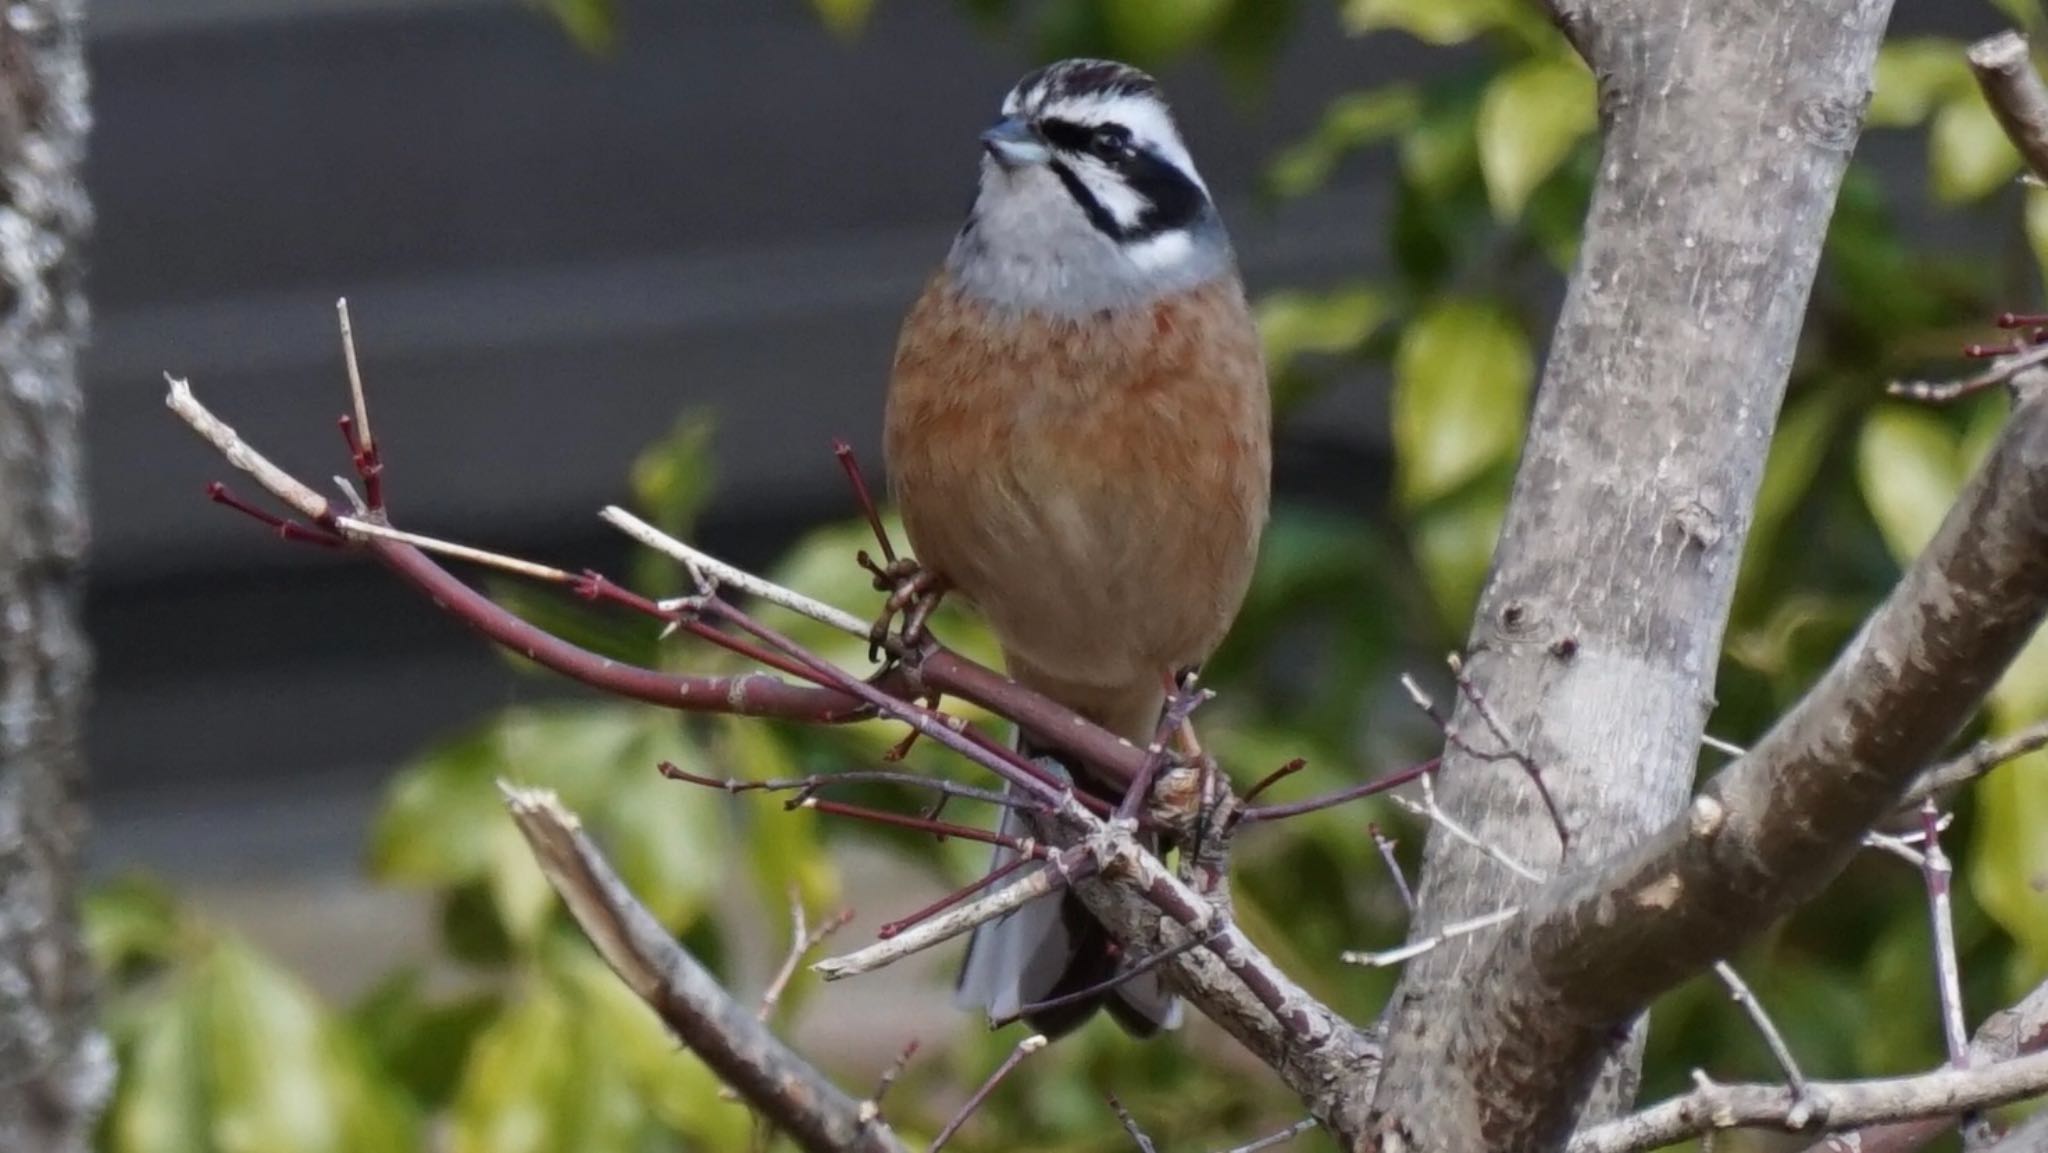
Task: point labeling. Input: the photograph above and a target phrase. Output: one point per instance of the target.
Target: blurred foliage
(516, 1039)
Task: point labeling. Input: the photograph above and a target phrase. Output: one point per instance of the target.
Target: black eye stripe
(1097, 215)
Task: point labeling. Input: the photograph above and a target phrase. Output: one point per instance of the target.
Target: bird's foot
(914, 592)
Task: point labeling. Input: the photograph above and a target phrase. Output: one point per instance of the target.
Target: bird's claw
(914, 592)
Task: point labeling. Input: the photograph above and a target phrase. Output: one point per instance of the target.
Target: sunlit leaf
(2037, 227)
(1906, 466)
(284, 1077)
(131, 921)
(1462, 376)
(1154, 31)
(592, 24)
(2008, 860)
(1967, 151)
(520, 892)
(436, 820)
(162, 1103)
(1914, 77)
(844, 17)
(1352, 121)
(2028, 14)
(540, 1080)
(1453, 542)
(422, 1041)
(1531, 118)
(1797, 449)
(1295, 324)
(1431, 21)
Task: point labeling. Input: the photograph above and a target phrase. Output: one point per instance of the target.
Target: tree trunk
(55, 1067)
(1726, 131)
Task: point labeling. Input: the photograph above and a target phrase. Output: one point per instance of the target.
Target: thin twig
(1273, 778)
(1739, 991)
(1416, 948)
(1430, 811)
(1280, 1138)
(1720, 746)
(2002, 371)
(355, 378)
(802, 940)
(462, 552)
(1059, 871)
(705, 568)
(1419, 771)
(1983, 757)
(1510, 748)
(940, 829)
(1120, 977)
(1025, 1048)
(1385, 845)
(865, 499)
(1131, 1127)
(811, 784)
(871, 1109)
(276, 481)
(988, 879)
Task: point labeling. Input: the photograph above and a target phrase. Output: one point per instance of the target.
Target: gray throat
(1020, 263)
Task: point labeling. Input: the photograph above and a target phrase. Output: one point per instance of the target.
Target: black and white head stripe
(1115, 147)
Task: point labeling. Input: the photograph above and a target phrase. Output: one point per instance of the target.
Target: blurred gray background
(549, 256)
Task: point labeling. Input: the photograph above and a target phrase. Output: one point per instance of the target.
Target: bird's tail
(1050, 948)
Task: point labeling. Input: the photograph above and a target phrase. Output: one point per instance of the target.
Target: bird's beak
(1014, 143)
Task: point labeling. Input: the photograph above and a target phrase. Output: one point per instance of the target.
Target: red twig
(919, 824)
(1178, 709)
(1509, 750)
(1121, 976)
(951, 899)
(806, 786)
(286, 528)
(1025, 1048)
(871, 1109)
(865, 499)
(1275, 777)
(1393, 780)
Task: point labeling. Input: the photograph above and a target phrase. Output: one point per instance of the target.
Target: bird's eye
(1111, 142)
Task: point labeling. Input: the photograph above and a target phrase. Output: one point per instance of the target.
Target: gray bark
(55, 1067)
(1726, 130)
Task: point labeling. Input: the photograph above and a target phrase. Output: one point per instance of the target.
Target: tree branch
(1771, 829)
(791, 1093)
(2005, 71)
(1712, 1107)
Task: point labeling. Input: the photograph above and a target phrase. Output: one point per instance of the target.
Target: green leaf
(843, 17)
(1155, 31)
(2037, 227)
(520, 893)
(1352, 121)
(670, 1081)
(592, 24)
(1453, 542)
(2027, 14)
(160, 1105)
(285, 1077)
(2008, 859)
(542, 1079)
(1914, 77)
(1440, 22)
(130, 922)
(1462, 375)
(1296, 324)
(1967, 151)
(1797, 450)
(1531, 118)
(1906, 467)
(423, 1043)
(435, 825)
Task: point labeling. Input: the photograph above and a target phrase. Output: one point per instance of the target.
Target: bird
(1077, 434)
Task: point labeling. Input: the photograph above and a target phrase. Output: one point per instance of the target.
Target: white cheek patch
(1166, 250)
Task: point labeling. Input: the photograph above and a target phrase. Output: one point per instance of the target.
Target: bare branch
(1739, 992)
(1838, 1104)
(1058, 873)
(1983, 757)
(1420, 945)
(771, 1077)
(1774, 827)
(2023, 1028)
(2005, 71)
(1281, 1138)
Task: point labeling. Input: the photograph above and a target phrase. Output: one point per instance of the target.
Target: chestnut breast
(1096, 484)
